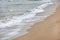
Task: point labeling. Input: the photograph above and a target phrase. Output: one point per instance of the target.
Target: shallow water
(18, 15)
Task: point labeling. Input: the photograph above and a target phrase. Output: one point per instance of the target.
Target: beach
(49, 29)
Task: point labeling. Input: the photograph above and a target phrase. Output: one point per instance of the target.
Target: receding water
(16, 16)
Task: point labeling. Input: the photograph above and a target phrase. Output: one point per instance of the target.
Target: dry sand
(46, 30)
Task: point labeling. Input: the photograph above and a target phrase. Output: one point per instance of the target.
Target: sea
(17, 16)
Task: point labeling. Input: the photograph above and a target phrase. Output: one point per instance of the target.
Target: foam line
(19, 19)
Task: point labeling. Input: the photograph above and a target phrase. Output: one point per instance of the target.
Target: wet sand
(46, 30)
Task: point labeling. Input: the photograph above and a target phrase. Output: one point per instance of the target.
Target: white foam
(24, 21)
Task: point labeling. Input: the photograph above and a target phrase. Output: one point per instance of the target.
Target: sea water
(17, 16)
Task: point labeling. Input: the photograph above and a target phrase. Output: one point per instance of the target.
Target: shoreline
(48, 31)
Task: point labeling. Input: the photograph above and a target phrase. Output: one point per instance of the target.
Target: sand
(45, 30)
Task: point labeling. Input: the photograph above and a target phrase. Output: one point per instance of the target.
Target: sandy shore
(46, 30)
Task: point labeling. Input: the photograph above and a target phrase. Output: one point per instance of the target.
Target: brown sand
(46, 30)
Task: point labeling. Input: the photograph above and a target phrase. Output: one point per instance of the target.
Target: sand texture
(46, 30)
